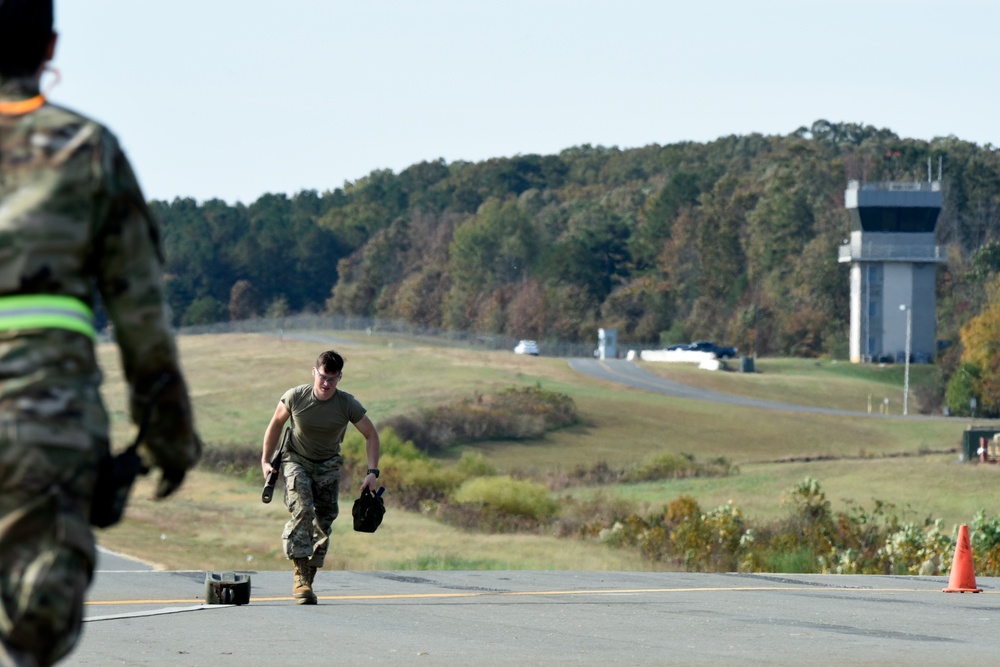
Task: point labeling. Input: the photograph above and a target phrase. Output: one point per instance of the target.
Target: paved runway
(136, 616)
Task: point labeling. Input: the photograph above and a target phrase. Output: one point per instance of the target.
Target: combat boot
(302, 591)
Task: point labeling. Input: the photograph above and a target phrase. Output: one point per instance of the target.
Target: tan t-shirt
(318, 427)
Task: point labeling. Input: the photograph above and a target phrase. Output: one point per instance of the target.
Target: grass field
(217, 522)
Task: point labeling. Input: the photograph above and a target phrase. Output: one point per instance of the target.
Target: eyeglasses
(329, 379)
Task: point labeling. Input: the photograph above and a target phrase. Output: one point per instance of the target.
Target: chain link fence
(320, 324)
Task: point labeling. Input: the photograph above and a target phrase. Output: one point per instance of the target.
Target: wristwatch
(373, 471)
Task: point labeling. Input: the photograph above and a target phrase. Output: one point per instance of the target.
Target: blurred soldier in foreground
(310, 463)
(73, 225)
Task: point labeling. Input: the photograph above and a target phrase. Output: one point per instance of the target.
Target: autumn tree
(244, 301)
(981, 345)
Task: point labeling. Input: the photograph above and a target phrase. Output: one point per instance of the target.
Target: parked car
(678, 346)
(721, 351)
(526, 347)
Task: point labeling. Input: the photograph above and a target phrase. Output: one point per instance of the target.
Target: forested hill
(733, 240)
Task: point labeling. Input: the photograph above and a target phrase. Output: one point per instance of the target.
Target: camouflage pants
(311, 492)
(46, 545)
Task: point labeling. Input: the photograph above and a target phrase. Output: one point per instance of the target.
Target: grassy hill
(217, 521)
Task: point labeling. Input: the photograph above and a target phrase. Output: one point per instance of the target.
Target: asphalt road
(628, 373)
(136, 616)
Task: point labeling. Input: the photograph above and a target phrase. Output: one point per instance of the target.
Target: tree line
(733, 240)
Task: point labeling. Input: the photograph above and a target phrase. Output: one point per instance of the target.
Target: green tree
(961, 389)
(985, 262)
(205, 310)
(593, 253)
(497, 247)
(721, 280)
(657, 217)
(278, 308)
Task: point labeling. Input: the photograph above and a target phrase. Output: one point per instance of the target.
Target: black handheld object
(272, 477)
(268, 492)
(368, 510)
(116, 474)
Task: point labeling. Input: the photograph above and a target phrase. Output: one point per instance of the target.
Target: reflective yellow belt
(46, 311)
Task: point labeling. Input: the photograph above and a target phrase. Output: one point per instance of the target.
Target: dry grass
(219, 523)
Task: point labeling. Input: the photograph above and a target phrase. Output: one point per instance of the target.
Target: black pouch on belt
(115, 476)
(117, 473)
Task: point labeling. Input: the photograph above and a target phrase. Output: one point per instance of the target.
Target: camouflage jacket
(73, 222)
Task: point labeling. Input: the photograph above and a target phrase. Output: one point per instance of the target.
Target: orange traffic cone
(963, 573)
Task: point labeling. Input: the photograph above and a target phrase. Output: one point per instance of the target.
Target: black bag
(368, 510)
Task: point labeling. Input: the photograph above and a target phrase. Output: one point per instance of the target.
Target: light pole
(906, 374)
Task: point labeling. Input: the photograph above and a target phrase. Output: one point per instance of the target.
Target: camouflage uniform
(73, 224)
(311, 468)
(311, 493)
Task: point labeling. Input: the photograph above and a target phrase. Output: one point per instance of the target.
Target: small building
(893, 258)
(607, 343)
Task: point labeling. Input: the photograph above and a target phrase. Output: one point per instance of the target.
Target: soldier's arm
(129, 277)
(271, 435)
(373, 449)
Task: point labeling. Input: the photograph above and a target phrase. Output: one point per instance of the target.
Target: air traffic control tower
(893, 260)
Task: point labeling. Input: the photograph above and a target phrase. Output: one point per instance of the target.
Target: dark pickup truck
(721, 351)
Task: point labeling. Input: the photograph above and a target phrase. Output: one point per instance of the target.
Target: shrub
(798, 561)
(474, 464)
(811, 539)
(962, 387)
(711, 541)
(516, 413)
(678, 466)
(586, 519)
(412, 478)
(660, 466)
(394, 452)
(812, 519)
(410, 429)
(984, 538)
(233, 459)
(421, 484)
(599, 474)
(507, 496)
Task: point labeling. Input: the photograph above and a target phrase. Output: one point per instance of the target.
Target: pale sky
(236, 98)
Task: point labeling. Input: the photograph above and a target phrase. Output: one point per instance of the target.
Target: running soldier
(310, 464)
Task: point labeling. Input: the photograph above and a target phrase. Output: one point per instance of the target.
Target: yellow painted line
(614, 591)
(116, 602)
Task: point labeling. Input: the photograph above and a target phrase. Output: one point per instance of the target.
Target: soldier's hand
(170, 443)
(173, 462)
(370, 482)
(170, 481)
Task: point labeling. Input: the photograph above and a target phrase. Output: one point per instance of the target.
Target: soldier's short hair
(25, 31)
(331, 361)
